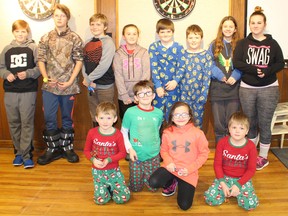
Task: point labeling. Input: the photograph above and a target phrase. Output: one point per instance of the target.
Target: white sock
(255, 140)
(264, 149)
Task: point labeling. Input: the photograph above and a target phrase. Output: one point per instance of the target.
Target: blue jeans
(51, 102)
(259, 105)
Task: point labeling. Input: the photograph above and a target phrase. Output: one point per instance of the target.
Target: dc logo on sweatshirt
(18, 60)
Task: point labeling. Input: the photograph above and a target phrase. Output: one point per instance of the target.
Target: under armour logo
(18, 60)
(186, 146)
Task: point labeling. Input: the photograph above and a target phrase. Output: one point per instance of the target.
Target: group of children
(173, 100)
(181, 79)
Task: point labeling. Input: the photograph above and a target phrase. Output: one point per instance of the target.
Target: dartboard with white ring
(174, 9)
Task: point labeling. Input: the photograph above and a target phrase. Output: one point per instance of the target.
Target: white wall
(275, 12)
(206, 13)
(11, 11)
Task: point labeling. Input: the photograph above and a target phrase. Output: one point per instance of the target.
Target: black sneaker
(71, 156)
(48, 157)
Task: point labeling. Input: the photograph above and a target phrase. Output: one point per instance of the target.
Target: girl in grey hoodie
(131, 64)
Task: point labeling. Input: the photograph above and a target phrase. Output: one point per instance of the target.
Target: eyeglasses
(142, 94)
(181, 115)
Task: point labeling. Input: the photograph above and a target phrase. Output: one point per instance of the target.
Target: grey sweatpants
(259, 105)
(20, 110)
(100, 95)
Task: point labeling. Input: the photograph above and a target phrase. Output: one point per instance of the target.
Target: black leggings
(162, 177)
(123, 107)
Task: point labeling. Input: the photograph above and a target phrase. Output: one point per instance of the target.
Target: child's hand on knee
(234, 191)
(225, 189)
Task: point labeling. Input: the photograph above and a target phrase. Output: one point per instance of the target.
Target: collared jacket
(60, 53)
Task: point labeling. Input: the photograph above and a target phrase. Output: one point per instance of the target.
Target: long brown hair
(219, 44)
(172, 110)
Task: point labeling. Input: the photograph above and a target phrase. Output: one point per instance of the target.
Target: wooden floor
(62, 188)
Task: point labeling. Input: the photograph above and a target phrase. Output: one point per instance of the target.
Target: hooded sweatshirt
(251, 54)
(98, 57)
(223, 67)
(17, 58)
(186, 147)
(130, 69)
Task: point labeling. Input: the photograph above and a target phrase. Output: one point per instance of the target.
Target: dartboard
(37, 9)
(174, 9)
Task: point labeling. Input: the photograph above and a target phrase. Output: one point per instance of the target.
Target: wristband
(45, 80)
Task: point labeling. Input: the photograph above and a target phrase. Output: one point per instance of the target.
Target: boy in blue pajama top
(196, 81)
(167, 65)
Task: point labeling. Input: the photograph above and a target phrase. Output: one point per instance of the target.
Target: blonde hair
(239, 118)
(196, 29)
(164, 24)
(18, 24)
(102, 18)
(106, 107)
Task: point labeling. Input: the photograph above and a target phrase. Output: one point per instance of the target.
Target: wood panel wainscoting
(82, 121)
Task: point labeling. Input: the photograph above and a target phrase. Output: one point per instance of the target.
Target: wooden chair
(279, 122)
